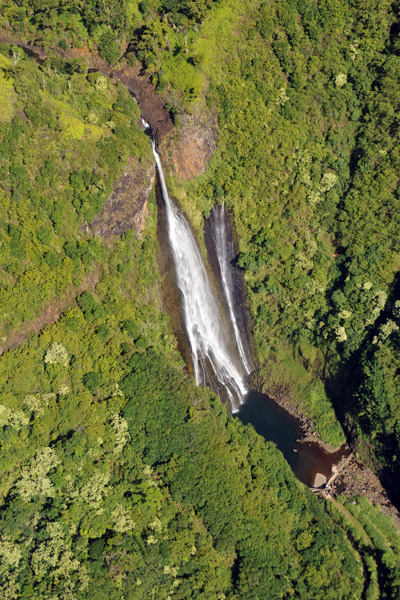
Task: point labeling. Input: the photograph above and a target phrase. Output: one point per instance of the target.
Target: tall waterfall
(225, 252)
(214, 355)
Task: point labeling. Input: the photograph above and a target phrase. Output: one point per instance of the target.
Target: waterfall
(213, 354)
(225, 251)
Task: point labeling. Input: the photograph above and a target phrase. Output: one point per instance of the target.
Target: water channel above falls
(213, 327)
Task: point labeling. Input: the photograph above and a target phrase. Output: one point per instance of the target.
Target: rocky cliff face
(187, 150)
(126, 208)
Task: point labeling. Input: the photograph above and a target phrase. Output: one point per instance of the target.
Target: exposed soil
(51, 313)
(126, 208)
(37, 51)
(151, 104)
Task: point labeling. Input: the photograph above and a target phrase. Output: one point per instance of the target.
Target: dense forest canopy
(119, 477)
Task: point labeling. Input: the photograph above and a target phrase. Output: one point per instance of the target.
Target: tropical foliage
(121, 478)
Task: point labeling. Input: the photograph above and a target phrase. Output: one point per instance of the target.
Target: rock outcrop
(126, 208)
(188, 150)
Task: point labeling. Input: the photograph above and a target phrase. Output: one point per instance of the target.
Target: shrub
(108, 47)
(92, 381)
(103, 332)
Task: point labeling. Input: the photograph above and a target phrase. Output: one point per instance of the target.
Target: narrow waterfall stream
(216, 360)
(225, 253)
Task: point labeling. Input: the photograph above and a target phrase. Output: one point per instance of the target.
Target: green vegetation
(375, 411)
(308, 162)
(59, 156)
(377, 541)
(144, 486)
(121, 478)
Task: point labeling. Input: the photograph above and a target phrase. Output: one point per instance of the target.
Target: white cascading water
(209, 342)
(224, 253)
